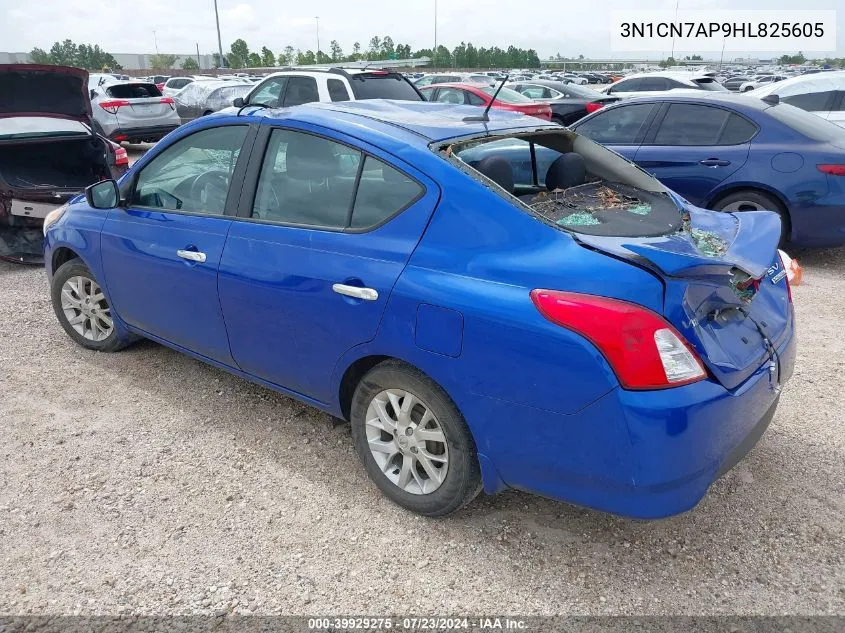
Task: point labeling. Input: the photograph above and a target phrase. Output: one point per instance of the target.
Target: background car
(481, 95)
(760, 81)
(295, 87)
(823, 94)
(420, 299)
(201, 98)
(732, 153)
(48, 152)
(175, 84)
(133, 111)
(568, 102)
(642, 84)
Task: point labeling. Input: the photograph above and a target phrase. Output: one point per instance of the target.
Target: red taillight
(121, 157)
(120, 137)
(160, 86)
(595, 105)
(114, 105)
(167, 100)
(643, 349)
(833, 170)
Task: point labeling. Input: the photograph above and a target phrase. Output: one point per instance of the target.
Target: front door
(161, 253)
(308, 270)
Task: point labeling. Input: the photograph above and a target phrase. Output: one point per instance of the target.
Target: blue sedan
(736, 153)
(595, 339)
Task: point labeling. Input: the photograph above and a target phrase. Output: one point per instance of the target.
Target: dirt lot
(147, 482)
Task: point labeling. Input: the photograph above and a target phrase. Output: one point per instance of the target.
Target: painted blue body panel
(454, 272)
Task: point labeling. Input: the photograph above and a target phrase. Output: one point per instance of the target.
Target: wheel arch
(721, 194)
(62, 255)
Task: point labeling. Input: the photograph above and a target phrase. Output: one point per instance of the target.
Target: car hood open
(40, 90)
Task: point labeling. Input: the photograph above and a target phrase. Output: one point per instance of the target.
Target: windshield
(39, 127)
(383, 86)
(506, 95)
(810, 125)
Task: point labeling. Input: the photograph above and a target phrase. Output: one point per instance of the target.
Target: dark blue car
(736, 153)
(597, 340)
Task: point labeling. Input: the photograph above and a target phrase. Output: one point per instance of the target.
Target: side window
(812, 101)
(627, 85)
(474, 99)
(738, 130)
(270, 92)
(653, 84)
(536, 92)
(193, 174)
(301, 90)
(337, 90)
(450, 95)
(841, 107)
(306, 180)
(382, 192)
(687, 124)
(619, 126)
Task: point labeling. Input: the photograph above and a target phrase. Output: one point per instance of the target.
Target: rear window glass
(810, 125)
(383, 86)
(710, 84)
(133, 91)
(32, 127)
(574, 90)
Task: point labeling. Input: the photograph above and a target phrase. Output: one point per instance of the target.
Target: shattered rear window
(609, 196)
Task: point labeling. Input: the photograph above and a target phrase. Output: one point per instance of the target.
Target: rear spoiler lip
(751, 248)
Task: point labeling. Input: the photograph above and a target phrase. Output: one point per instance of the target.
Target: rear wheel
(751, 200)
(413, 441)
(82, 309)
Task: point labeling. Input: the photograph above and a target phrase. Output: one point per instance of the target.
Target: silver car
(132, 111)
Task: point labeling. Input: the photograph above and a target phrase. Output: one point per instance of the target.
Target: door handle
(194, 256)
(714, 162)
(367, 294)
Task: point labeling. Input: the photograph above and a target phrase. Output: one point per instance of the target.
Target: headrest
(567, 171)
(310, 158)
(498, 170)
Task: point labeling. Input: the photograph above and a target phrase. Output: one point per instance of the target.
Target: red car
(481, 95)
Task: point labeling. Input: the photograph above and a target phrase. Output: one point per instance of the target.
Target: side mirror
(238, 102)
(103, 195)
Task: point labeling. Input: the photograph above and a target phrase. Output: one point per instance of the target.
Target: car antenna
(485, 116)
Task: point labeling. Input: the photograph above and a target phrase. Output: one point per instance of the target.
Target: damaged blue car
(585, 334)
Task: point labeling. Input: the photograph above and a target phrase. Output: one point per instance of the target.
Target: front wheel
(413, 441)
(82, 309)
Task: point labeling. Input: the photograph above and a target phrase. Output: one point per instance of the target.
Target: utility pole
(673, 37)
(219, 41)
(317, 18)
(155, 37)
(434, 52)
(199, 64)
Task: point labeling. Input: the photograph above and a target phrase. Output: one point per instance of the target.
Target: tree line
(68, 53)
(465, 55)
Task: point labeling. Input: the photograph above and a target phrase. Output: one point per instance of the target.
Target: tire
(78, 284)
(403, 459)
(752, 200)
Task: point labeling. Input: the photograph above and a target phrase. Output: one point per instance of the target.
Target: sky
(176, 26)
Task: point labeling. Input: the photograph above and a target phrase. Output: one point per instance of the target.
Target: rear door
(325, 228)
(161, 252)
(622, 128)
(692, 148)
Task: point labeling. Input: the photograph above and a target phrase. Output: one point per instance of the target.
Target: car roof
(678, 75)
(421, 122)
(815, 82)
(454, 84)
(738, 101)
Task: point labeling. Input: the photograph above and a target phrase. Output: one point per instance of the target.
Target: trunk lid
(726, 290)
(40, 90)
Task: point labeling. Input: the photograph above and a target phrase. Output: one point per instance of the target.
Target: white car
(648, 84)
(823, 94)
(175, 85)
(575, 79)
(759, 82)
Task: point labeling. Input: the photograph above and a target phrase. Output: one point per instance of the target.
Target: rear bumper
(647, 454)
(141, 134)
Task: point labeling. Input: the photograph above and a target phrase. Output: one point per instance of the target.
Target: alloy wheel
(86, 309)
(407, 441)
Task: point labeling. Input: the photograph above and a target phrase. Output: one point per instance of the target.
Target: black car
(569, 102)
(49, 152)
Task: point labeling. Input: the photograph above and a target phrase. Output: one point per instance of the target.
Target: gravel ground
(147, 482)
